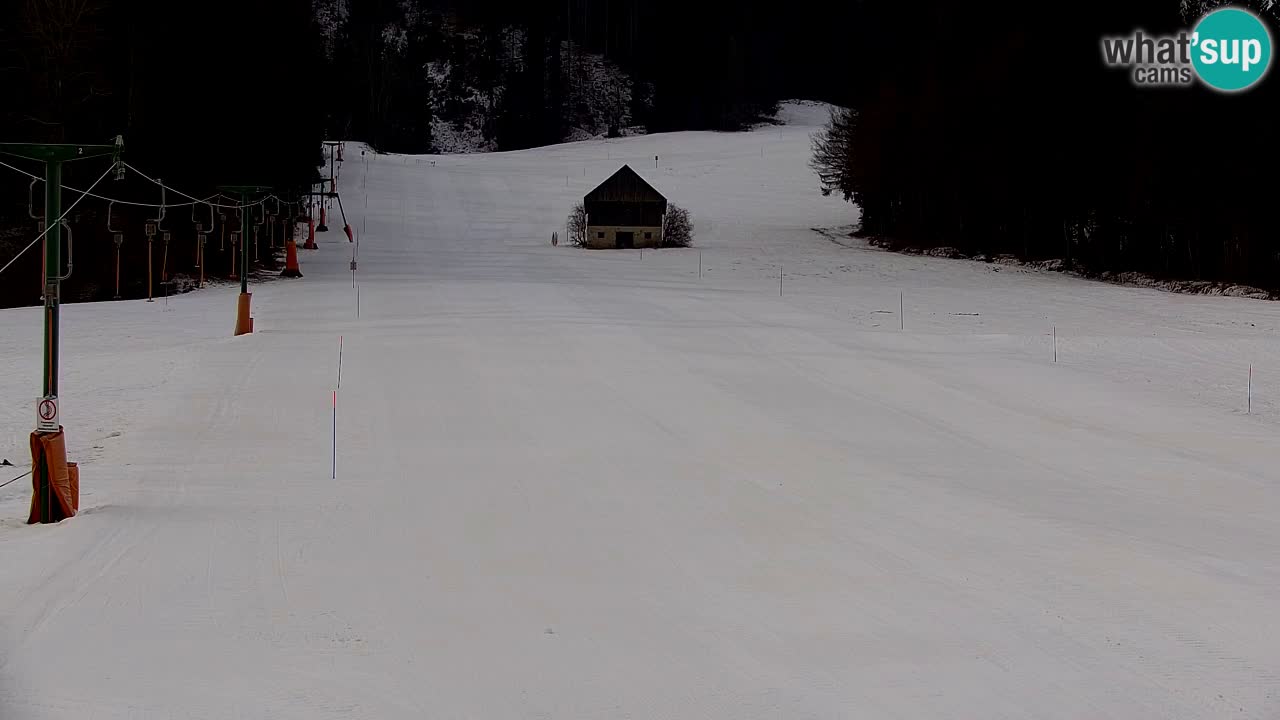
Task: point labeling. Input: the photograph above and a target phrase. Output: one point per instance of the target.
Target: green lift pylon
(244, 316)
(48, 447)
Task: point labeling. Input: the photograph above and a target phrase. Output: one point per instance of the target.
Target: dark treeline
(993, 132)
(702, 65)
(203, 96)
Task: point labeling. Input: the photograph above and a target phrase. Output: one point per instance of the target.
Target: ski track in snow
(579, 484)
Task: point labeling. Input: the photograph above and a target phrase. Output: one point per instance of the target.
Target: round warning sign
(47, 413)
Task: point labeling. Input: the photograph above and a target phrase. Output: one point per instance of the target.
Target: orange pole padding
(244, 322)
(291, 268)
(55, 482)
(311, 235)
(350, 237)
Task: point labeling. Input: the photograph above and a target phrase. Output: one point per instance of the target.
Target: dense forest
(993, 132)
(509, 74)
(971, 127)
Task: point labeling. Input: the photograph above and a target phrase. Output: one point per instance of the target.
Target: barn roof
(625, 186)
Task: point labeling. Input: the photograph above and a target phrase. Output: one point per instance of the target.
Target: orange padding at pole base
(291, 268)
(311, 235)
(244, 321)
(49, 464)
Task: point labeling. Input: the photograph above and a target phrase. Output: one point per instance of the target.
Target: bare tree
(677, 227)
(53, 46)
(576, 227)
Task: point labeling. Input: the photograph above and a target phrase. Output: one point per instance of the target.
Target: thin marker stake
(779, 282)
(339, 362)
(902, 321)
(334, 474)
(1055, 343)
(1249, 408)
(699, 263)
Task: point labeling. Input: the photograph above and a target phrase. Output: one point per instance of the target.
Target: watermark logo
(1229, 50)
(1234, 49)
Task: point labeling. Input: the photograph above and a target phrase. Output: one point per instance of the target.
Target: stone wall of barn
(606, 236)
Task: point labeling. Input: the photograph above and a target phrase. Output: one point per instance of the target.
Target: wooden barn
(624, 212)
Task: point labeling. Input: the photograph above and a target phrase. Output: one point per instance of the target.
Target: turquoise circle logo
(1231, 49)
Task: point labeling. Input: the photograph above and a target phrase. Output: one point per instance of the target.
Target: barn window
(648, 236)
(600, 235)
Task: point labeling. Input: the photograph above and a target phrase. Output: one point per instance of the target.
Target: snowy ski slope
(582, 484)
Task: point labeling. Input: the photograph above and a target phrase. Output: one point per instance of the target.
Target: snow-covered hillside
(808, 113)
(595, 484)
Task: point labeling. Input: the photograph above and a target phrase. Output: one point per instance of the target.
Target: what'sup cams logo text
(1228, 50)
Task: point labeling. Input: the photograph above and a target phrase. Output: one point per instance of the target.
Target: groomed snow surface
(587, 484)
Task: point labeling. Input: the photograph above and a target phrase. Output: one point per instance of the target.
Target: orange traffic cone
(291, 269)
(323, 227)
(311, 235)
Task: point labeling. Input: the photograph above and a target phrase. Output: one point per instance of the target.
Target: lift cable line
(162, 186)
(49, 226)
(10, 482)
(134, 203)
